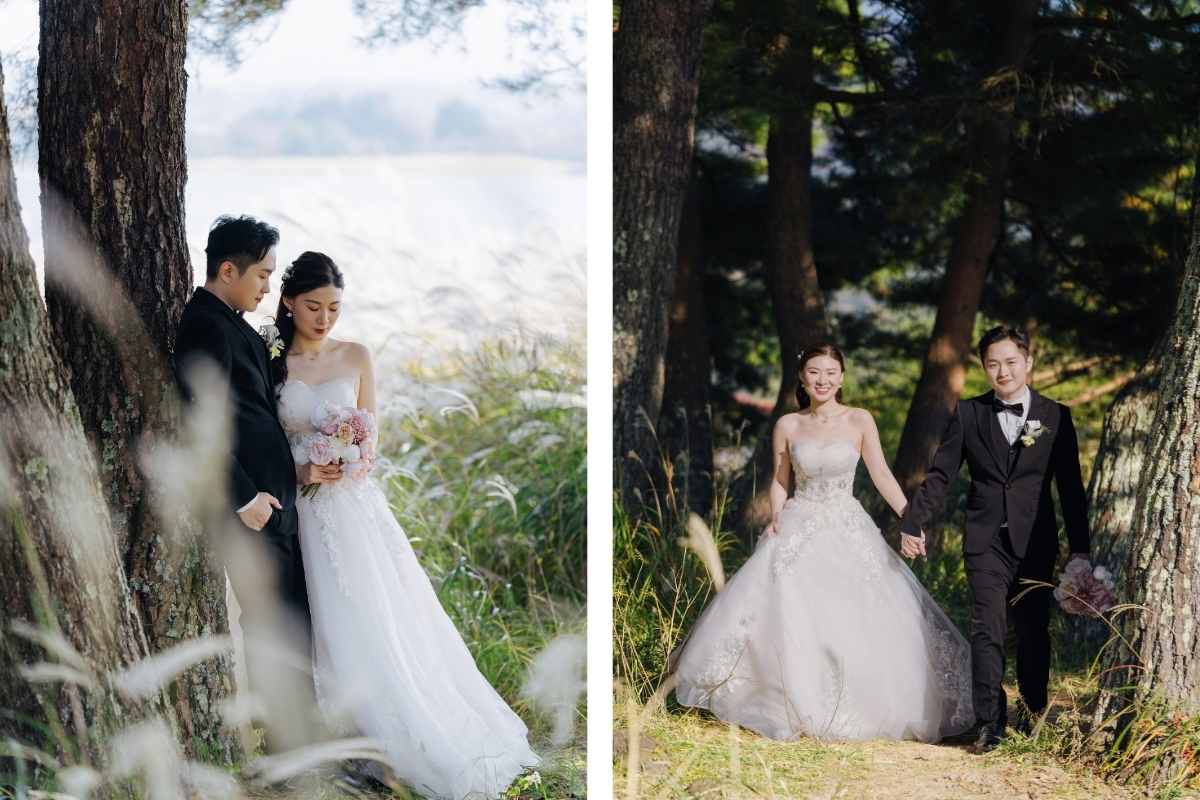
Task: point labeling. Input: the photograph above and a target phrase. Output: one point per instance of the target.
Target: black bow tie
(1000, 406)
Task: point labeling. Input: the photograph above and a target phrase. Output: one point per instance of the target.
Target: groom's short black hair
(999, 334)
(241, 241)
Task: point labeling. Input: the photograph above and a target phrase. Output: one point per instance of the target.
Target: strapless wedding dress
(388, 663)
(825, 631)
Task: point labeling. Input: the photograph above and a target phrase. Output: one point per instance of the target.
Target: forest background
(898, 177)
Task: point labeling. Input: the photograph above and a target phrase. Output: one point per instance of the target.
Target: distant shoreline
(467, 162)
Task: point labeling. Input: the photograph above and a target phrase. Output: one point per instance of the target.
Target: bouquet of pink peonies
(1081, 586)
(344, 436)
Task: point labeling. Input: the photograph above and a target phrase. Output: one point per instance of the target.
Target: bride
(825, 631)
(388, 663)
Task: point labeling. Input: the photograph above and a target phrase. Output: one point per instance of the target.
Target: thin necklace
(315, 356)
(825, 420)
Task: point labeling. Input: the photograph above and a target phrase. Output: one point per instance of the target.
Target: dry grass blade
(274, 769)
(556, 680)
(45, 672)
(52, 642)
(700, 540)
(148, 676)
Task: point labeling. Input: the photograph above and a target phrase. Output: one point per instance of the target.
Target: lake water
(440, 251)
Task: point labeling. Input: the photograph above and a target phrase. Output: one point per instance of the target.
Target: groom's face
(244, 291)
(1007, 368)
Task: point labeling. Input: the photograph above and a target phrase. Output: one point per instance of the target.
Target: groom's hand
(912, 546)
(259, 512)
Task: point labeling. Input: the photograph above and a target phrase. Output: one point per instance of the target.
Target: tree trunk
(111, 91)
(656, 63)
(60, 568)
(945, 369)
(686, 423)
(796, 299)
(1163, 548)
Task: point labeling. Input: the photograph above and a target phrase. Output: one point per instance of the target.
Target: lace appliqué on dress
(722, 674)
(840, 720)
(951, 664)
(322, 508)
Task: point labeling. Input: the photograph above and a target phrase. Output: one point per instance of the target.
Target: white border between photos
(599, 411)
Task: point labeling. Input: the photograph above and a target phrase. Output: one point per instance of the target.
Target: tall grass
(483, 461)
(482, 458)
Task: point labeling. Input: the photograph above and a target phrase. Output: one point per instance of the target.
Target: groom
(259, 545)
(1014, 442)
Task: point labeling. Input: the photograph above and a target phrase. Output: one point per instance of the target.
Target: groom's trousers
(995, 578)
(266, 571)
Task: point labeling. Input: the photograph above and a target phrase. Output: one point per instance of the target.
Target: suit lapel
(257, 347)
(992, 434)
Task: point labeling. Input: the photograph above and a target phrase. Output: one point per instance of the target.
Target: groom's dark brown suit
(1009, 484)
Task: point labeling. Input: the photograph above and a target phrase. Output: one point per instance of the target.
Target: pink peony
(357, 471)
(1078, 566)
(1086, 582)
(319, 452)
(1103, 599)
(345, 432)
(329, 425)
(367, 449)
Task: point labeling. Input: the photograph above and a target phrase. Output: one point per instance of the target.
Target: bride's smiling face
(315, 312)
(821, 377)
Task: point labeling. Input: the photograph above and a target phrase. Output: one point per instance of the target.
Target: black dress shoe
(1025, 721)
(990, 736)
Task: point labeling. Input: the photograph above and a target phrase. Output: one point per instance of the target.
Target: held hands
(912, 546)
(257, 514)
(308, 472)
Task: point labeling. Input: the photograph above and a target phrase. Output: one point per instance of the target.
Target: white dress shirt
(1010, 423)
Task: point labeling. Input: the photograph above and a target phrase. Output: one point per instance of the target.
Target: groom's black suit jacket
(260, 459)
(1008, 482)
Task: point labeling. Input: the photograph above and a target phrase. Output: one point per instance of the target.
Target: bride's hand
(912, 546)
(308, 472)
(773, 528)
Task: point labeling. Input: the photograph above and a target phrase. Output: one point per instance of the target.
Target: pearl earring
(289, 313)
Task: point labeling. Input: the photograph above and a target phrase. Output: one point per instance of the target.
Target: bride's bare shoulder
(789, 422)
(860, 418)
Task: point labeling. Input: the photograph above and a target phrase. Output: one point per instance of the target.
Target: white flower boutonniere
(1032, 430)
(270, 335)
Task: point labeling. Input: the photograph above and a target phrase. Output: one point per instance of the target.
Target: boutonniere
(1031, 431)
(270, 335)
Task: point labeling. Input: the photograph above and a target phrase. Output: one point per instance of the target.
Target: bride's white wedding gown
(825, 631)
(389, 664)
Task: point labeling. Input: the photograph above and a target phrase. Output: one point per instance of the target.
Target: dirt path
(694, 757)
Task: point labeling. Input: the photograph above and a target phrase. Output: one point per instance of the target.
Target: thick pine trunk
(945, 369)
(111, 91)
(656, 63)
(686, 421)
(1163, 548)
(60, 567)
(1113, 488)
(796, 300)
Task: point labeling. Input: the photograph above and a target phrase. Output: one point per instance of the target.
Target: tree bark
(796, 300)
(656, 63)
(60, 568)
(1163, 549)
(111, 92)
(686, 423)
(945, 369)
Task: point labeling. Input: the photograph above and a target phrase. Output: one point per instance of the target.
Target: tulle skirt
(826, 632)
(389, 664)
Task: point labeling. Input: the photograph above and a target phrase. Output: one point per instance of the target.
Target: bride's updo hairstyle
(812, 351)
(308, 272)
